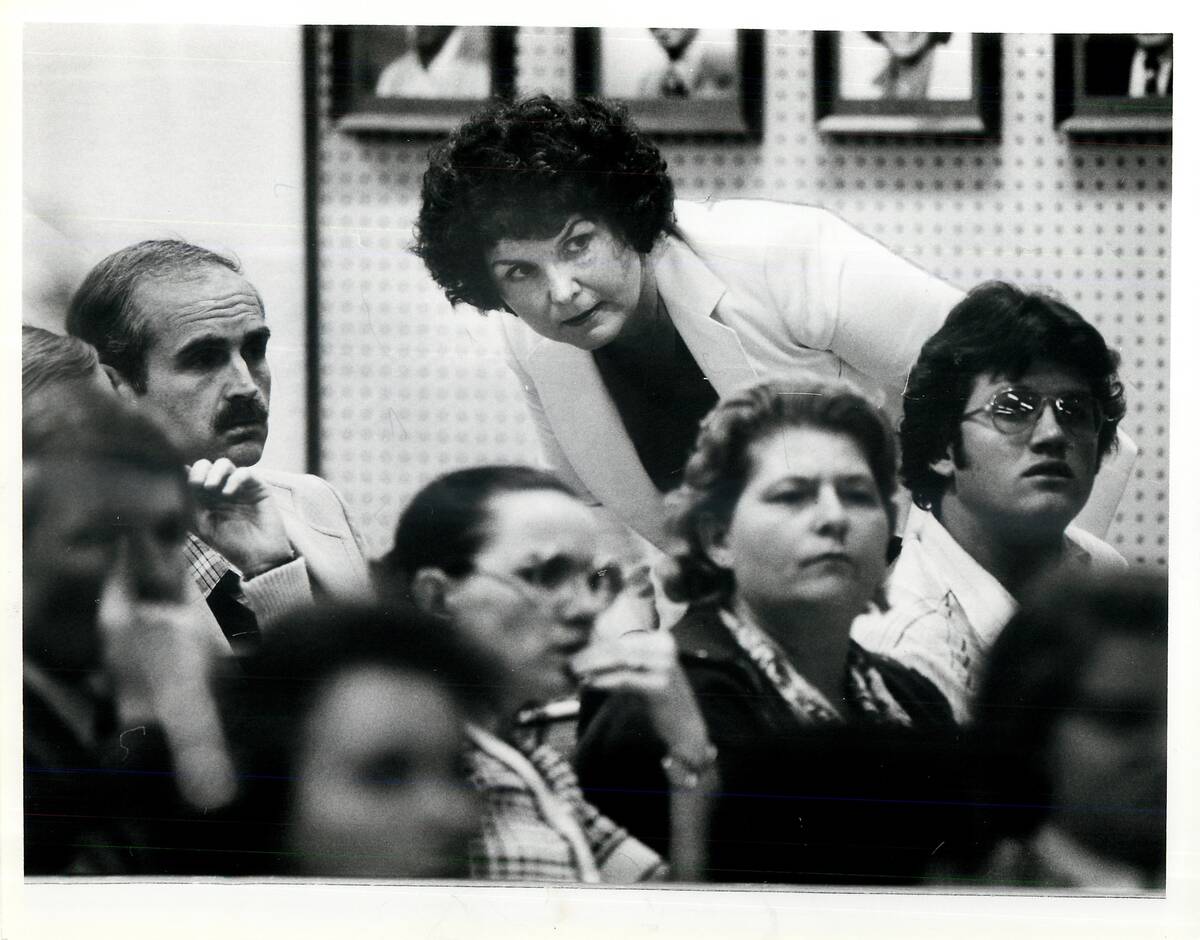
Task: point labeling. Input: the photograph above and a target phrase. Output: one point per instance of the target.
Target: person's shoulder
(760, 219)
(293, 482)
(1094, 551)
(305, 494)
(909, 618)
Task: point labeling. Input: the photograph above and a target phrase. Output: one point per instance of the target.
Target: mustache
(240, 411)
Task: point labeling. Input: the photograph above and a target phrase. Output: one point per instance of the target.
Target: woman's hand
(647, 663)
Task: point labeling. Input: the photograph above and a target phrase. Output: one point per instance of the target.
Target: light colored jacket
(756, 289)
(329, 555)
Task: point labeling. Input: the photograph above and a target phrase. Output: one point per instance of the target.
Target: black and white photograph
(669, 63)
(677, 82)
(929, 84)
(721, 471)
(877, 66)
(422, 79)
(1115, 83)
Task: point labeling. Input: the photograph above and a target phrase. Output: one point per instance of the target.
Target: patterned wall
(410, 387)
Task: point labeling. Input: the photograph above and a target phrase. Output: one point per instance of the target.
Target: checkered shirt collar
(206, 564)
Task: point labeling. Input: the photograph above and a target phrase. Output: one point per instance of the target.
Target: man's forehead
(212, 296)
(1043, 375)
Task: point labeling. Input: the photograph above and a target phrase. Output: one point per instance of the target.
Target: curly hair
(996, 330)
(519, 170)
(722, 463)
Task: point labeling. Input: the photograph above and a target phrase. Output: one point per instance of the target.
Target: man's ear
(714, 536)
(120, 384)
(429, 589)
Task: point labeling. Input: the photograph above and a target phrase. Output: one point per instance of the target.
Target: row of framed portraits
(709, 82)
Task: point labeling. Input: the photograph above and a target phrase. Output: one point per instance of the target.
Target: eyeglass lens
(555, 573)
(1016, 409)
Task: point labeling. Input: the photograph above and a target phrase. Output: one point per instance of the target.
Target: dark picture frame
(360, 57)
(1090, 99)
(736, 115)
(974, 113)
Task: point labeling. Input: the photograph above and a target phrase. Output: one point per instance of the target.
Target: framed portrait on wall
(1106, 83)
(907, 83)
(693, 82)
(419, 79)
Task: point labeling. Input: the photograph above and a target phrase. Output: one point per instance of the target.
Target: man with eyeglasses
(1009, 410)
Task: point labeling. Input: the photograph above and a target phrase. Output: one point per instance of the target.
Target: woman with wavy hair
(633, 311)
(781, 529)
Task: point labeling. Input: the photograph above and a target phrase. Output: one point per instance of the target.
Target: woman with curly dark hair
(781, 528)
(634, 311)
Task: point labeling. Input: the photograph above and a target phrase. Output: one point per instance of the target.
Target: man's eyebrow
(201, 344)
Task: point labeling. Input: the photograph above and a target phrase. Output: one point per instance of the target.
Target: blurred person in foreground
(1071, 738)
(1010, 410)
(782, 527)
(509, 556)
(119, 723)
(180, 329)
(347, 726)
(51, 362)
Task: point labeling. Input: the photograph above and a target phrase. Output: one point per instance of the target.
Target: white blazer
(756, 289)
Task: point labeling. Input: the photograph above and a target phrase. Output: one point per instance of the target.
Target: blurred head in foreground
(99, 478)
(1072, 720)
(346, 725)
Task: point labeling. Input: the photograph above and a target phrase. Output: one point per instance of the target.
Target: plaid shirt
(206, 564)
(519, 842)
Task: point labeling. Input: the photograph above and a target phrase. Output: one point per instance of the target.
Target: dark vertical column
(312, 324)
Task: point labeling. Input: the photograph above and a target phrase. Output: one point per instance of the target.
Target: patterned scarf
(866, 691)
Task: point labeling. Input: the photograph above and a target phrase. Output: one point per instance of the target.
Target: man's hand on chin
(235, 515)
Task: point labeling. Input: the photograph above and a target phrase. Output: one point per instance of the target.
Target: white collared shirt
(946, 610)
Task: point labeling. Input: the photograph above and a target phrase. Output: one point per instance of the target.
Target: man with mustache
(180, 329)
(1008, 412)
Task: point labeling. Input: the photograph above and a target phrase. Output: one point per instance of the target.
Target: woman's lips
(828, 558)
(581, 318)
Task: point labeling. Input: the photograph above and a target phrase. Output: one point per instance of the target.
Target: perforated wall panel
(411, 388)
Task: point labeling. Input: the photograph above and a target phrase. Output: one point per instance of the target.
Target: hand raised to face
(160, 656)
(235, 515)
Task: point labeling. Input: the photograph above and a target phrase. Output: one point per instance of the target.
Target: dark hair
(102, 310)
(519, 170)
(1031, 682)
(444, 526)
(1001, 330)
(50, 358)
(721, 465)
(268, 700)
(79, 426)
